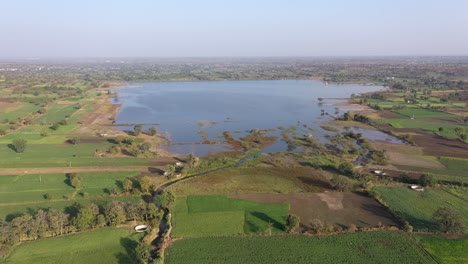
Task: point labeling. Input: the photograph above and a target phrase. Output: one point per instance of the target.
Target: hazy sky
(177, 28)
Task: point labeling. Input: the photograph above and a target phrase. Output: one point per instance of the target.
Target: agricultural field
(108, 245)
(418, 207)
(30, 188)
(216, 215)
(254, 180)
(16, 111)
(371, 247)
(330, 208)
(56, 113)
(63, 155)
(445, 250)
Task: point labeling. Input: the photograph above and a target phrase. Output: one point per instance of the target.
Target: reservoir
(189, 112)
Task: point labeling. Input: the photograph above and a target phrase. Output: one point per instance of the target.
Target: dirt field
(436, 146)
(407, 155)
(158, 164)
(336, 208)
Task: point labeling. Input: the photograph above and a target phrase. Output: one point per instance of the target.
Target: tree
(427, 180)
(448, 220)
(169, 171)
(346, 168)
(115, 213)
(127, 185)
(145, 184)
(55, 126)
(57, 221)
(164, 199)
(459, 130)
(143, 252)
(192, 161)
(144, 147)
(75, 141)
(152, 131)
(463, 136)
(137, 130)
(19, 144)
(340, 183)
(85, 218)
(292, 223)
(73, 180)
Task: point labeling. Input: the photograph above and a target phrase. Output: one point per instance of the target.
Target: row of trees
(47, 223)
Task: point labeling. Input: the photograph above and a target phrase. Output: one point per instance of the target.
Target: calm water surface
(184, 109)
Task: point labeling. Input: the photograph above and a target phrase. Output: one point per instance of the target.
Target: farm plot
(110, 245)
(418, 207)
(254, 180)
(17, 111)
(330, 208)
(63, 155)
(445, 250)
(370, 247)
(30, 188)
(213, 215)
(56, 113)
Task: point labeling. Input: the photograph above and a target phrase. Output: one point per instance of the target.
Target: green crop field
(370, 247)
(29, 188)
(418, 207)
(9, 210)
(56, 113)
(100, 246)
(445, 250)
(80, 114)
(18, 112)
(216, 215)
(424, 113)
(50, 155)
(455, 166)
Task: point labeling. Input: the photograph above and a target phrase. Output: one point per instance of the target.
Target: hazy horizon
(213, 29)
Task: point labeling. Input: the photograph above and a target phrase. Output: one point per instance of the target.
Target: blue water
(235, 106)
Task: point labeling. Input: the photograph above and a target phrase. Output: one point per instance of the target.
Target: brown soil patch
(334, 202)
(434, 145)
(335, 208)
(6, 103)
(407, 155)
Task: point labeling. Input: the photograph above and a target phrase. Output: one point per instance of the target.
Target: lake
(184, 111)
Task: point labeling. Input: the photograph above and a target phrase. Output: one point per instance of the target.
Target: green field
(61, 155)
(18, 112)
(445, 250)
(418, 207)
(370, 247)
(30, 188)
(216, 215)
(56, 113)
(100, 246)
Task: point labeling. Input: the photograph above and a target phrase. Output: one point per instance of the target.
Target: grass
(60, 155)
(371, 247)
(418, 207)
(445, 250)
(56, 113)
(30, 188)
(81, 113)
(216, 215)
(251, 180)
(100, 246)
(18, 112)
